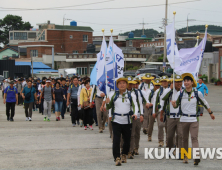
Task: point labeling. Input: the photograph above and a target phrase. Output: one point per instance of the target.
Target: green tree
(9, 23)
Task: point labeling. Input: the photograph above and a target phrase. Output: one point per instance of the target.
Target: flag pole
(105, 65)
(114, 77)
(197, 46)
(200, 59)
(174, 13)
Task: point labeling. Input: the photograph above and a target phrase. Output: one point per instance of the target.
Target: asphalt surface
(39, 145)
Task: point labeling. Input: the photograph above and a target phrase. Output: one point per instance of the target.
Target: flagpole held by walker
(114, 76)
(202, 51)
(105, 66)
(174, 13)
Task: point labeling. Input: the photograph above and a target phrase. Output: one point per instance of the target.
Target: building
(9, 51)
(17, 36)
(8, 68)
(217, 43)
(58, 38)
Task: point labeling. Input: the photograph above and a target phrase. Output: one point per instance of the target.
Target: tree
(9, 23)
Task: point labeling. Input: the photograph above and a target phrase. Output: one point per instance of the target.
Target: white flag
(172, 50)
(191, 58)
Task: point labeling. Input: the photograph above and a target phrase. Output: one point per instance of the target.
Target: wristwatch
(211, 113)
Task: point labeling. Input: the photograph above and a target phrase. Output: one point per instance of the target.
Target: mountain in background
(150, 33)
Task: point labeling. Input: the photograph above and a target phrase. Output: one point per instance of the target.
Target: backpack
(9, 87)
(181, 96)
(116, 97)
(28, 95)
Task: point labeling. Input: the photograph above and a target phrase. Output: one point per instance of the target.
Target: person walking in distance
(65, 89)
(46, 96)
(72, 95)
(10, 98)
(19, 88)
(58, 97)
(201, 87)
(29, 95)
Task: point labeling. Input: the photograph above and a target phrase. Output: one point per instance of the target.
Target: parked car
(152, 70)
(129, 73)
(1, 81)
(141, 75)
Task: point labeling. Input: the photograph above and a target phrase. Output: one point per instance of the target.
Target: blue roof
(45, 70)
(35, 65)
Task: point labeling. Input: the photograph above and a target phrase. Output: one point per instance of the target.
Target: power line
(17, 9)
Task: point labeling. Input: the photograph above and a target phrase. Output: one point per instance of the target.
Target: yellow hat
(156, 82)
(177, 77)
(164, 78)
(122, 79)
(137, 80)
(191, 76)
(147, 76)
(130, 80)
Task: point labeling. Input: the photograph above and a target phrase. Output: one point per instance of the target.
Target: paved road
(40, 145)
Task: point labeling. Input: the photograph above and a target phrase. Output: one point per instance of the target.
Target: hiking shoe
(106, 124)
(7, 118)
(73, 125)
(81, 124)
(36, 109)
(27, 119)
(91, 127)
(85, 128)
(48, 120)
(145, 131)
(100, 130)
(33, 110)
(124, 158)
(130, 156)
(136, 151)
(201, 114)
(44, 118)
(161, 144)
(149, 138)
(185, 160)
(58, 118)
(77, 122)
(63, 117)
(30, 119)
(196, 161)
(11, 119)
(118, 161)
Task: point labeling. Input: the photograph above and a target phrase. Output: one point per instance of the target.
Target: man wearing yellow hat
(171, 114)
(124, 109)
(187, 100)
(152, 109)
(161, 125)
(136, 124)
(146, 86)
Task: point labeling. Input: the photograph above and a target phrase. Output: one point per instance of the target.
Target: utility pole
(165, 24)
(31, 52)
(143, 25)
(189, 20)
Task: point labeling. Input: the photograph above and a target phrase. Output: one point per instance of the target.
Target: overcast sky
(120, 20)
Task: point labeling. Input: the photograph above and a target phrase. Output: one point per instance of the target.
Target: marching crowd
(135, 106)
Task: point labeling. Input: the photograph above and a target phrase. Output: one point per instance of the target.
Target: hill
(151, 32)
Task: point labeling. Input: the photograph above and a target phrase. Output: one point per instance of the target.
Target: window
(71, 37)
(85, 38)
(75, 52)
(216, 41)
(161, 43)
(81, 70)
(84, 51)
(5, 74)
(91, 66)
(34, 53)
(130, 43)
(31, 35)
(141, 45)
(20, 35)
(11, 35)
